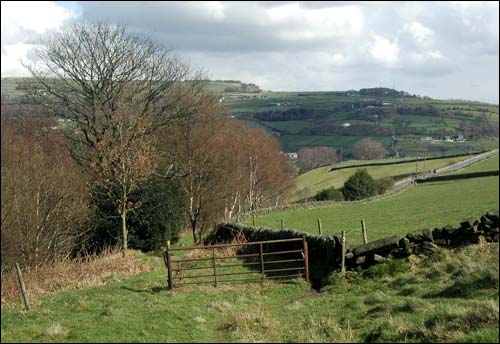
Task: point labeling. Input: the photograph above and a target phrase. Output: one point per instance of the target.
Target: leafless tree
(126, 160)
(368, 149)
(85, 71)
(44, 192)
(311, 158)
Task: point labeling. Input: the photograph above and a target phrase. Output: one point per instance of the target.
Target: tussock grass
(391, 302)
(66, 274)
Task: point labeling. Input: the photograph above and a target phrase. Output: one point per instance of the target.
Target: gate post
(306, 258)
(169, 266)
(342, 266)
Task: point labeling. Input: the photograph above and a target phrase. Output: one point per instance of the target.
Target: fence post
(306, 257)
(253, 219)
(282, 224)
(262, 261)
(23, 287)
(363, 230)
(320, 227)
(169, 266)
(213, 263)
(342, 266)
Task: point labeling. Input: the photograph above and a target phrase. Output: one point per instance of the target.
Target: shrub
(384, 184)
(158, 217)
(359, 186)
(330, 194)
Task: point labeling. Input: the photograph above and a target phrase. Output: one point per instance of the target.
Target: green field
(452, 296)
(426, 205)
(294, 135)
(312, 182)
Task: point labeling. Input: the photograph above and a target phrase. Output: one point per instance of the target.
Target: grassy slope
(449, 297)
(427, 205)
(321, 178)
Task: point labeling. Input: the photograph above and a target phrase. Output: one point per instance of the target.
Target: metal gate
(258, 255)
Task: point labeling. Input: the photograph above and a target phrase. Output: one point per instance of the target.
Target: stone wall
(325, 251)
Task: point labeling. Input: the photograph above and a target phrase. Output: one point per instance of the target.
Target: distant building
(291, 156)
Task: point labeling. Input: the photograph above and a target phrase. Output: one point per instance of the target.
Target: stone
(437, 233)
(360, 260)
(378, 246)
(379, 259)
(349, 255)
(442, 242)
(466, 224)
(427, 235)
(410, 236)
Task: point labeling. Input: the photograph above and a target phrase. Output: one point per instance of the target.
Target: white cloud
(384, 51)
(304, 23)
(423, 36)
(22, 22)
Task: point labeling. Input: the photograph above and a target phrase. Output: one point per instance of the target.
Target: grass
(399, 301)
(66, 274)
(427, 205)
(312, 182)
(490, 164)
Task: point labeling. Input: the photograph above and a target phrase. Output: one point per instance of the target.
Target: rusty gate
(256, 255)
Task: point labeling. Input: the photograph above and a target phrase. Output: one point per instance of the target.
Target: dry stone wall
(325, 251)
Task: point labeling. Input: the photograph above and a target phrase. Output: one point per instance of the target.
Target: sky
(445, 50)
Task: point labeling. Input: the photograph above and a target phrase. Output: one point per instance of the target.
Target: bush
(384, 184)
(330, 194)
(158, 218)
(359, 186)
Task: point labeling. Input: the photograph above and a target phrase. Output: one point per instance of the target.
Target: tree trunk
(124, 233)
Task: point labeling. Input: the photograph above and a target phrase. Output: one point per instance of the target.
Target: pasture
(426, 205)
(312, 182)
(449, 297)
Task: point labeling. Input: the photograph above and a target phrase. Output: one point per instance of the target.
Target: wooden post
(320, 227)
(363, 230)
(238, 218)
(342, 266)
(262, 261)
(424, 163)
(282, 224)
(253, 220)
(213, 264)
(169, 267)
(23, 287)
(306, 258)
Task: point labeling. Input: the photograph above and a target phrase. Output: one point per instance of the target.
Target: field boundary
(404, 161)
(398, 187)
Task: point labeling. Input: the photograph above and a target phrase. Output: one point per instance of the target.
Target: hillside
(452, 296)
(314, 181)
(426, 205)
(340, 119)
(407, 125)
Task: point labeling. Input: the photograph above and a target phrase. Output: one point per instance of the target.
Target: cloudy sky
(442, 50)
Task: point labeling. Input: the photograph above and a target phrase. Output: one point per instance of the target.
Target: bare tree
(368, 149)
(44, 192)
(85, 71)
(223, 166)
(311, 158)
(126, 160)
(115, 89)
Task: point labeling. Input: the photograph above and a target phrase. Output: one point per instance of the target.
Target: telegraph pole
(424, 162)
